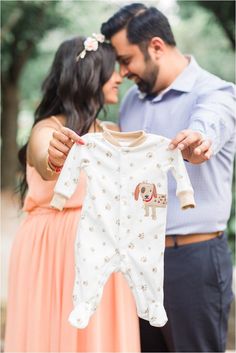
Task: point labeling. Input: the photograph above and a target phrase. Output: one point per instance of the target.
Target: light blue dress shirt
(202, 102)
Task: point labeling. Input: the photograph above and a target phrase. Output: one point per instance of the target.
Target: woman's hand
(60, 145)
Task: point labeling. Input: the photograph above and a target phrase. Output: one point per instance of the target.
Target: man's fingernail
(181, 147)
(171, 146)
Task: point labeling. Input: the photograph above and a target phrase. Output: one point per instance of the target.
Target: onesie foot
(80, 316)
(157, 316)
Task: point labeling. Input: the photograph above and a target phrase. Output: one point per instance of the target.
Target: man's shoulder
(207, 82)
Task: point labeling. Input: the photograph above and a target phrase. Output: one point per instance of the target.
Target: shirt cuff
(186, 200)
(58, 201)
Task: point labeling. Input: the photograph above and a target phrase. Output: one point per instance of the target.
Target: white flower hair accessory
(91, 44)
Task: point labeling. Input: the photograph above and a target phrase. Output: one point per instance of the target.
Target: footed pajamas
(122, 225)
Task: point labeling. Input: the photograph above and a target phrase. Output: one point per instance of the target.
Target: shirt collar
(184, 82)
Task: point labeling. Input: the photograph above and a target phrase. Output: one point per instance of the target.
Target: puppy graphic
(150, 198)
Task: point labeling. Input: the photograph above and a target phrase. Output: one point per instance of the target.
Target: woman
(81, 80)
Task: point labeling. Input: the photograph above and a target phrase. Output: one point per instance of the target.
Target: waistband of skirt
(49, 210)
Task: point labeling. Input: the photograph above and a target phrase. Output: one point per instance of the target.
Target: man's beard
(147, 83)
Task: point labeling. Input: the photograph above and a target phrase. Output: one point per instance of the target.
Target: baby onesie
(122, 225)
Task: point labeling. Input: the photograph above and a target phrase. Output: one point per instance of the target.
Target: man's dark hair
(142, 23)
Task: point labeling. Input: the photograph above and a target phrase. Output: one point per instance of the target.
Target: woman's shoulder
(54, 122)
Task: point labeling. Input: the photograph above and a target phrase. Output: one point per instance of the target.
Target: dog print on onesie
(123, 220)
(151, 200)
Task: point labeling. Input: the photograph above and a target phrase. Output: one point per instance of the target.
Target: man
(176, 98)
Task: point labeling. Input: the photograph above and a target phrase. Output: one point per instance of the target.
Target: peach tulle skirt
(40, 294)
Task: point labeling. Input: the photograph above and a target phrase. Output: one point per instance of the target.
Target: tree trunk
(10, 109)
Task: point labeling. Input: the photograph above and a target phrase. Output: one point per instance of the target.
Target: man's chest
(165, 117)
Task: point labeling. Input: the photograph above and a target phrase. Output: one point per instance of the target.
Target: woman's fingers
(60, 145)
(71, 135)
(56, 156)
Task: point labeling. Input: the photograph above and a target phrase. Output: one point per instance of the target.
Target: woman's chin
(112, 100)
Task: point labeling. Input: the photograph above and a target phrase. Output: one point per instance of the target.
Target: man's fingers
(179, 138)
(202, 148)
(185, 139)
(192, 139)
(208, 154)
(195, 148)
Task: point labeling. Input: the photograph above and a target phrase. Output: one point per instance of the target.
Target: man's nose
(123, 71)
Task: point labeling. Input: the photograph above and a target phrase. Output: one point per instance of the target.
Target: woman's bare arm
(50, 139)
(50, 143)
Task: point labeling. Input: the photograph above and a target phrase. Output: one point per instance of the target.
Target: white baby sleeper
(122, 225)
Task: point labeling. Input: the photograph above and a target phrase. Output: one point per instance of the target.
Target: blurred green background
(32, 31)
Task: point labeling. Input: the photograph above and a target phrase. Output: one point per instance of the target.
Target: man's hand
(194, 147)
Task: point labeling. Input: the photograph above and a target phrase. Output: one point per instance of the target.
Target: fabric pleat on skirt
(41, 279)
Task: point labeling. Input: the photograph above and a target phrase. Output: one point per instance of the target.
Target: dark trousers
(198, 293)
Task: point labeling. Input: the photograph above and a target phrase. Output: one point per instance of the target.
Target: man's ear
(156, 47)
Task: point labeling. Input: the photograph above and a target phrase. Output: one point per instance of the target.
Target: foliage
(24, 24)
(222, 11)
(201, 35)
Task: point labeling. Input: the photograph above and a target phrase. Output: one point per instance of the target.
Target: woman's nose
(118, 78)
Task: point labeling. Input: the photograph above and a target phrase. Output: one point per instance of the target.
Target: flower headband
(91, 44)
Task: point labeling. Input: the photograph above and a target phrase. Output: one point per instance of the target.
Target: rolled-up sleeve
(214, 116)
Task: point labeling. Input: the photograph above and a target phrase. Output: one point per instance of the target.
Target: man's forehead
(120, 36)
(120, 41)
(122, 45)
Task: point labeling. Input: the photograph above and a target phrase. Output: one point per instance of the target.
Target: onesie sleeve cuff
(58, 201)
(186, 199)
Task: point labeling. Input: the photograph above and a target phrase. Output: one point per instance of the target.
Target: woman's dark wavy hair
(74, 89)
